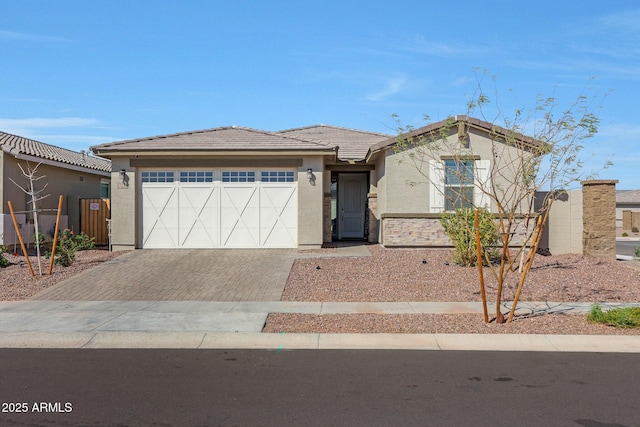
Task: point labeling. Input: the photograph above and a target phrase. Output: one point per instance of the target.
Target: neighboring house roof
(231, 138)
(628, 196)
(29, 149)
(353, 144)
(454, 121)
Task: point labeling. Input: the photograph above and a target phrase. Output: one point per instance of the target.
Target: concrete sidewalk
(228, 324)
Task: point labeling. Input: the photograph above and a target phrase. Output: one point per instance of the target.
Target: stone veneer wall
(326, 218)
(630, 219)
(421, 230)
(626, 220)
(599, 218)
(373, 220)
(408, 231)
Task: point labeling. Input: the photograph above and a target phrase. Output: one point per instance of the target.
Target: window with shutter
(458, 184)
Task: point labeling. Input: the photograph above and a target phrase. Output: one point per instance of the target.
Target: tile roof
(16, 145)
(628, 196)
(230, 138)
(477, 123)
(353, 144)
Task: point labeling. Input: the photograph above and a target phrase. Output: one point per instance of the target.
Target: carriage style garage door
(219, 209)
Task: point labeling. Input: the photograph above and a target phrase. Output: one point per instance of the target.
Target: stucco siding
(565, 224)
(407, 188)
(407, 173)
(123, 206)
(3, 172)
(625, 207)
(310, 200)
(72, 185)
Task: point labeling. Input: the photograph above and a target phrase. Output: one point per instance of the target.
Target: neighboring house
(627, 200)
(68, 173)
(234, 187)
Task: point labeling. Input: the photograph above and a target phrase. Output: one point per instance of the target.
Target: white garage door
(219, 209)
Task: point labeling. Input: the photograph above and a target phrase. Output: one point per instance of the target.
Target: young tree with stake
(521, 167)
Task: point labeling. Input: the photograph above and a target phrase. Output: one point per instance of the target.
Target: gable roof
(454, 121)
(628, 196)
(353, 144)
(229, 138)
(25, 148)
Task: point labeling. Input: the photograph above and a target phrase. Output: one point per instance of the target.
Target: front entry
(352, 202)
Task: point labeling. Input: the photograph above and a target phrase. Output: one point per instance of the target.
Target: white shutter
(483, 180)
(436, 187)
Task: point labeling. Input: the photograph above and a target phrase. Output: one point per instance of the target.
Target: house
(627, 201)
(68, 173)
(236, 187)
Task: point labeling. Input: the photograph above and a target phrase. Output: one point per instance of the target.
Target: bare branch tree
(30, 174)
(519, 169)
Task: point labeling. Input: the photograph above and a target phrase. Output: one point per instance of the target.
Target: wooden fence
(93, 219)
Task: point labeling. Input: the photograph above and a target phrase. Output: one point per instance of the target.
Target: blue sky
(80, 73)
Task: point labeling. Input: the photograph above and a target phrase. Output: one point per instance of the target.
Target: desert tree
(34, 197)
(532, 160)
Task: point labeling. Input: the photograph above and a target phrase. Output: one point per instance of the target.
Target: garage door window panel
(196, 176)
(238, 176)
(277, 176)
(157, 176)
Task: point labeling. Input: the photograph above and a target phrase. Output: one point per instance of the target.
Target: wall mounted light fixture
(309, 174)
(124, 179)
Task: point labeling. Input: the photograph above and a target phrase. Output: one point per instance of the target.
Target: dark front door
(352, 202)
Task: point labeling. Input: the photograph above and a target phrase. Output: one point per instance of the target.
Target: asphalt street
(312, 388)
(626, 247)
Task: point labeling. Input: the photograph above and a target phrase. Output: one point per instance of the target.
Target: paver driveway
(181, 275)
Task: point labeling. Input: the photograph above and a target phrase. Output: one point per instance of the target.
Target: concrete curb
(218, 325)
(286, 342)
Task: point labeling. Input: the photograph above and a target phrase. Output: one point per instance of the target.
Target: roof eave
(472, 122)
(187, 152)
(55, 163)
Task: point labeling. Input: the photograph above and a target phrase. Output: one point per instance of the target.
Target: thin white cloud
(627, 21)
(622, 133)
(14, 35)
(430, 47)
(462, 81)
(47, 123)
(46, 130)
(392, 87)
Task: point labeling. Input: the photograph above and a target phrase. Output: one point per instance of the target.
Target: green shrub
(460, 227)
(625, 234)
(636, 253)
(4, 262)
(69, 244)
(39, 239)
(84, 242)
(627, 317)
(66, 249)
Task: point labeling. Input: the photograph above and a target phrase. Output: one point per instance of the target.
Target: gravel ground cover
(430, 275)
(16, 282)
(363, 323)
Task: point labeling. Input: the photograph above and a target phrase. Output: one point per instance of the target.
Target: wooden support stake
(24, 250)
(480, 272)
(534, 248)
(55, 236)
